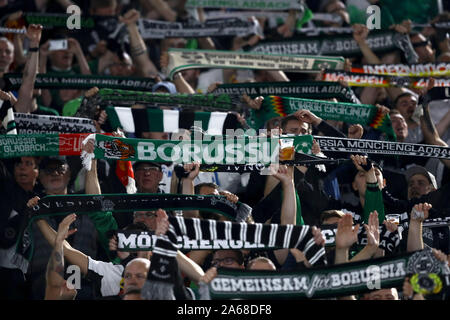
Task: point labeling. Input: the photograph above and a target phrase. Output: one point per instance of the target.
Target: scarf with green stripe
(243, 4)
(368, 115)
(305, 89)
(13, 81)
(7, 117)
(383, 81)
(333, 44)
(183, 59)
(329, 281)
(218, 151)
(157, 120)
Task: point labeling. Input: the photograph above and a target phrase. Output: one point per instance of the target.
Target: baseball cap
(169, 86)
(52, 159)
(421, 170)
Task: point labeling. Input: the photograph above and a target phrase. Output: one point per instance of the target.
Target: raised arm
(144, 65)
(188, 186)
(24, 102)
(56, 287)
(419, 213)
(289, 203)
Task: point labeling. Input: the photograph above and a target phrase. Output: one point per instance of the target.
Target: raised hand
(162, 222)
(346, 235)
(33, 201)
(34, 32)
(193, 169)
(359, 161)
(230, 196)
(355, 131)
(420, 212)
(318, 236)
(284, 173)
(253, 103)
(308, 117)
(113, 247)
(74, 46)
(360, 32)
(63, 228)
(130, 17)
(372, 230)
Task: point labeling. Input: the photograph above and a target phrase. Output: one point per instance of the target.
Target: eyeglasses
(225, 261)
(59, 169)
(144, 214)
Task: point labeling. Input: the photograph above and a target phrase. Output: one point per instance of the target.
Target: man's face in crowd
(26, 172)
(135, 274)
(423, 49)
(406, 106)
(146, 217)
(6, 55)
(226, 259)
(359, 182)
(418, 185)
(208, 191)
(400, 126)
(147, 178)
(61, 59)
(55, 177)
(384, 294)
(121, 68)
(296, 127)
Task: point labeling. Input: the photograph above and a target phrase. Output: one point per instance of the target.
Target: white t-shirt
(111, 275)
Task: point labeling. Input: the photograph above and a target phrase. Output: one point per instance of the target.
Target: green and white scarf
(182, 59)
(340, 44)
(275, 106)
(155, 29)
(153, 119)
(13, 81)
(305, 89)
(123, 98)
(326, 282)
(372, 80)
(211, 150)
(7, 117)
(415, 70)
(386, 148)
(53, 144)
(244, 4)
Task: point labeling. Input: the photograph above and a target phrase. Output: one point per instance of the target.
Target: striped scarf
(276, 106)
(262, 235)
(156, 120)
(199, 234)
(7, 117)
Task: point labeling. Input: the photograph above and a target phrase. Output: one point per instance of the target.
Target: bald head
(135, 273)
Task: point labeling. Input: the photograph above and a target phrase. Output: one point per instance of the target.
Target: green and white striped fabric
(161, 120)
(7, 117)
